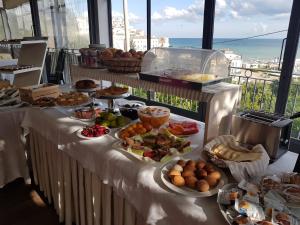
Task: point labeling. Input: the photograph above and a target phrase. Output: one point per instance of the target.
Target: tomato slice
(190, 130)
(149, 154)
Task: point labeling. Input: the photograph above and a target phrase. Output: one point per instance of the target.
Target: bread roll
(190, 181)
(181, 162)
(174, 173)
(201, 173)
(189, 167)
(178, 168)
(188, 173)
(191, 163)
(212, 182)
(178, 181)
(215, 174)
(202, 186)
(200, 164)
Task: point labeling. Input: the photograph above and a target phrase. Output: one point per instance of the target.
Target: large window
(251, 32)
(20, 21)
(177, 24)
(65, 22)
(137, 20)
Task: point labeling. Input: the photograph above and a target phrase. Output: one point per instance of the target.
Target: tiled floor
(20, 204)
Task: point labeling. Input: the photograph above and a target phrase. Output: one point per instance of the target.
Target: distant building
(138, 40)
(235, 60)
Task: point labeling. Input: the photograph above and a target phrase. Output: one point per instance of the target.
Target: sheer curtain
(65, 22)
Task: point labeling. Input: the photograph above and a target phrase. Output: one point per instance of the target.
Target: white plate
(78, 133)
(186, 190)
(83, 120)
(76, 106)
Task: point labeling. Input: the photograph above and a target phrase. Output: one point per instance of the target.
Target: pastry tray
(160, 77)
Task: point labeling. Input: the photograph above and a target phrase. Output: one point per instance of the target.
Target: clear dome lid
(196, 65)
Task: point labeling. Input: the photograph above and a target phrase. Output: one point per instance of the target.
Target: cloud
(257, 7)
(226, 9)
(134, 19)
(191, 13)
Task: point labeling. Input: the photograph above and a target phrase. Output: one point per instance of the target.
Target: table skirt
(77, 195)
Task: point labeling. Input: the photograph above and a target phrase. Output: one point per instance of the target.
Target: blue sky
(234, 18)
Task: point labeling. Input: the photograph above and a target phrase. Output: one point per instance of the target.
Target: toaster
(271, 130)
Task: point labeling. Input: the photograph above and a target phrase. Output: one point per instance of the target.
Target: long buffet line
(151, 135)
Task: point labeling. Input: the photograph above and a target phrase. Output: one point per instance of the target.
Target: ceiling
(10, 4)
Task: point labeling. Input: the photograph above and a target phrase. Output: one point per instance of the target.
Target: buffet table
(89, 182)
(219, 101)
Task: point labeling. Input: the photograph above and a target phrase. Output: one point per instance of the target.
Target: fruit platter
(111, 119)
(190, 177)
(271, 200)
(156, 145)
(92, 132)
(183, 128)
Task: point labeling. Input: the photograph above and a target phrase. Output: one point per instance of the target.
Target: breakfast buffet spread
(152, 136)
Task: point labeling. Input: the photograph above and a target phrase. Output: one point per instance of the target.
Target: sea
(249, 49)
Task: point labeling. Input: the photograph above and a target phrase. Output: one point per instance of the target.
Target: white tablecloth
(12, 152)
(129, 178)
(91, 183)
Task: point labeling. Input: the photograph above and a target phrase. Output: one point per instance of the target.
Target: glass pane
(293, 104)
(20, 21)
(177, 23)
(65, 22)
(137, 25)
(251, 34)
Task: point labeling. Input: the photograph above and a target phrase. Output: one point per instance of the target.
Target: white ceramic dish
(76, 106)
(186, 190)
(78, 133)
(118, 145)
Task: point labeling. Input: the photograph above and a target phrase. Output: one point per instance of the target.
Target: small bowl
(155, 115)
(87, 112)
(129, 109)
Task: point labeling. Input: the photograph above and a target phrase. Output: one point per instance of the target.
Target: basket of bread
(122, 62)
(243, 162)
